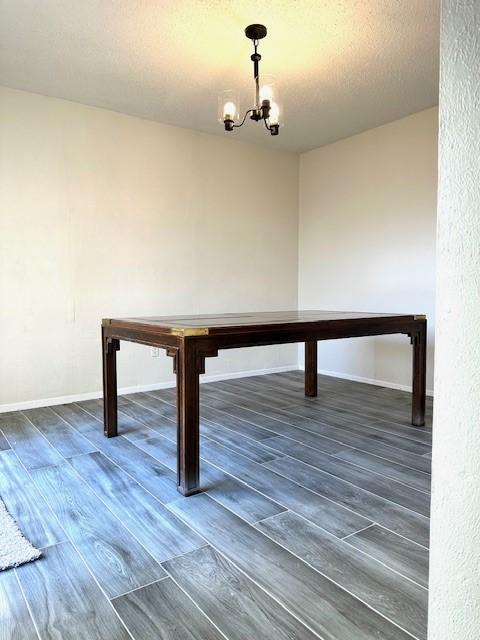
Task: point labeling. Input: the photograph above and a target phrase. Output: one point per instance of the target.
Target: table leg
(110, 346)
(419, 342)
(188, 414)
(311, 368)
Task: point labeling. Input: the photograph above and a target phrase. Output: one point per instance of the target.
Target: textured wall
(103, 214)
(367, 239)
(455, 550)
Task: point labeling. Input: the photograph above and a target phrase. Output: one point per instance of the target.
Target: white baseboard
(92, 395)
(378, 383)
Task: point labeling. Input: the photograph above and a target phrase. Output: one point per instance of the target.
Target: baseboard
(374, 381)
(92, 395)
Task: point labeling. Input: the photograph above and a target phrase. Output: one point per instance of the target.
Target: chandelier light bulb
(229, 111)
(274, 114)
(266, 92)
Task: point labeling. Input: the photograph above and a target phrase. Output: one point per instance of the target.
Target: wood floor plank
(4, 445)
(382, 399)
(143, 468)
(127, 425)
(15, 620)
(273, 395)
(363, 387)
(88, 422)
(333, 517)
(161, 611)
(288, 387)
(150, 401)
(169, 394)
(82, 421)
(236, 496)
(348, 432)
(237, 443)
(162, 449)
(154, 526)
(220, 433)
(218, 426)
(293, 381)
(402, 416)
(317, 435)
(381, 396)
(390, 489)
(417, 479)
(344, 418)
(61, 435)
(279, 427)
(377, 397)
(147, 471)
(345, 460)
(239, 498)
(397, 395)
(157, 473)
(26, 504)
(326, 409)
(235, 424)
(114, 556)
(65, 600)
(28, 443)
(231, 600)
(413, 526)
(395, 552)
(156, 423)
(324, 607)
(401, 600)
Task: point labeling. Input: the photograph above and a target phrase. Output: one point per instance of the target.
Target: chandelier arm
(269, 128)
(237, 126)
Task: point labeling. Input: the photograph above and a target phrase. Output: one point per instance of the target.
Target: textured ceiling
(342, 66)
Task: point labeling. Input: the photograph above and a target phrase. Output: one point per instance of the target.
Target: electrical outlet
(154, 352)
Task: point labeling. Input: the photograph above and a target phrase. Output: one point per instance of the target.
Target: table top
(218, 323)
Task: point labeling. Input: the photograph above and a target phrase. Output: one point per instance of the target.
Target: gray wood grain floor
(313, 520)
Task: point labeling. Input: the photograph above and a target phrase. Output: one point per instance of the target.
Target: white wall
(455, 553)
(105, 215)
(367, 239)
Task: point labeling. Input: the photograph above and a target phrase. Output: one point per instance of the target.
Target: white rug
(15, 549)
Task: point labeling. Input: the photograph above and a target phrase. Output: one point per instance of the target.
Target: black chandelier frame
(255, 32)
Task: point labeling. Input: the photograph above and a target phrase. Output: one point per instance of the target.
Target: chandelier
(265, 108)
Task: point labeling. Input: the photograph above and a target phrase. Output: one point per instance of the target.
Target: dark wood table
(191, 339)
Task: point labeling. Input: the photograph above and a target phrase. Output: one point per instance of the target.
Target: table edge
(206, 331)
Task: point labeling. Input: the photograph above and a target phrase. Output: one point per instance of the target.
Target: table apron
(268, 336)
(263, 338)
(148, 338)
